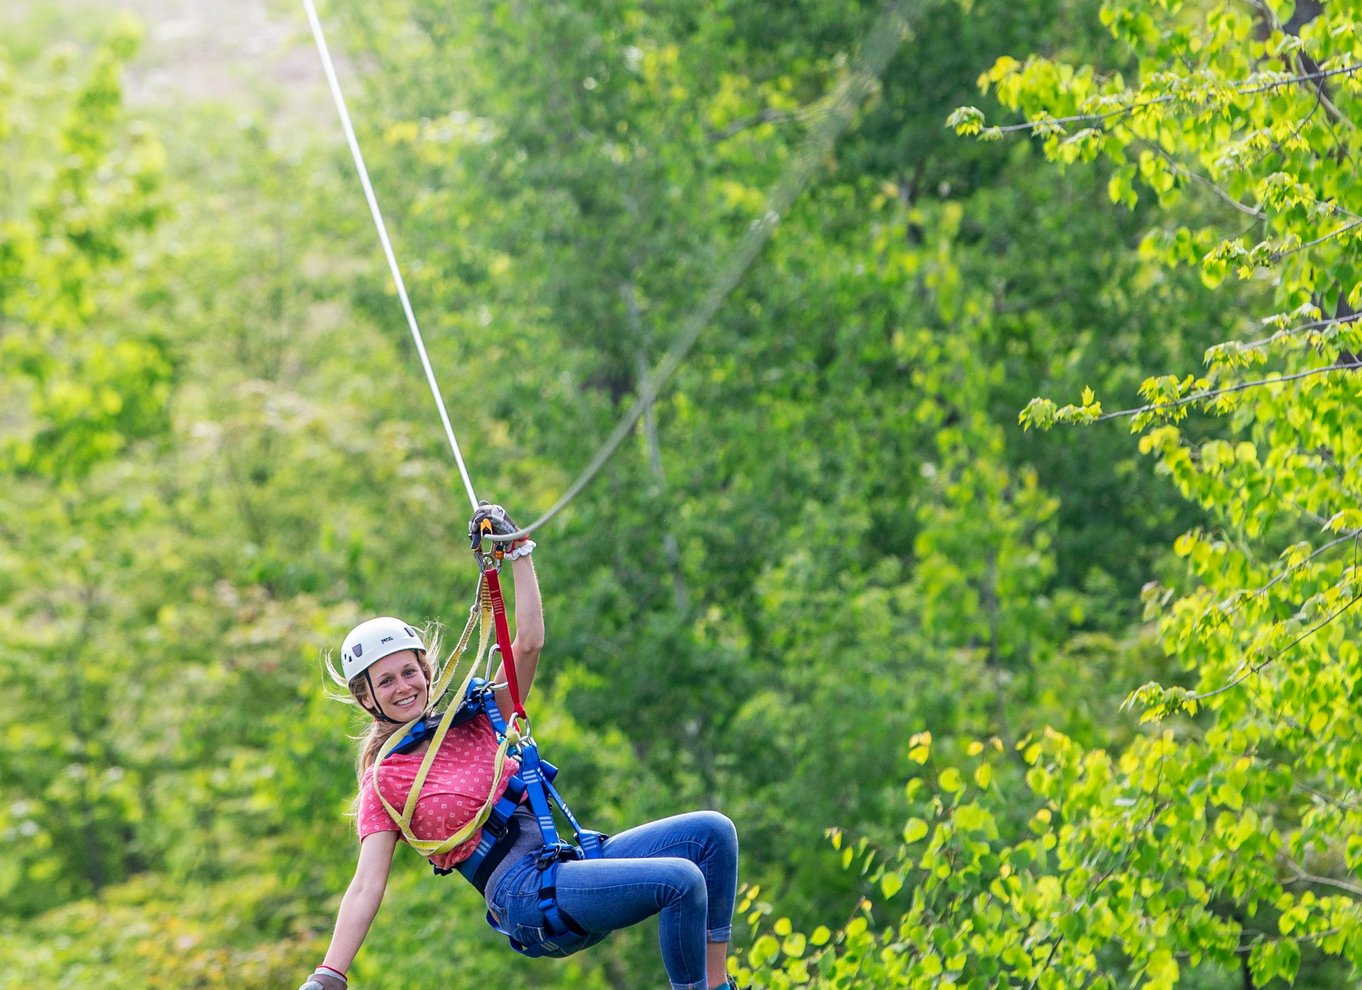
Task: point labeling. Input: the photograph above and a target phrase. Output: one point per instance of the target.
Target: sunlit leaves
(1119, 857)
(1239, 110)
(833, 454)
(90, 388)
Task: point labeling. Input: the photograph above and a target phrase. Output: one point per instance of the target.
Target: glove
(496, 516)
(323, 981)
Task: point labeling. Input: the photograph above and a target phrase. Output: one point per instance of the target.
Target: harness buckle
(556, 852)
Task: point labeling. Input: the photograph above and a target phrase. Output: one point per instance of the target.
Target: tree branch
(1286, 572)
(1244, 89)
(1303, 877)
(1330, 108)
(1180, 169)
(1217, 392)
(1279, 255)
(1313, 554)
(1337, 802)
(767, 115)
(1277, 146)
(1303, 328)
(1248, 670)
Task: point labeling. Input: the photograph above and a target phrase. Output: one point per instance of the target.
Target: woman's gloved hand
(489, 516)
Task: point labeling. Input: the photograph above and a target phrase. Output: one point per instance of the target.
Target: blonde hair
(356, 691)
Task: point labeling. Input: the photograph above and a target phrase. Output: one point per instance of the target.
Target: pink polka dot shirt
(454, 791)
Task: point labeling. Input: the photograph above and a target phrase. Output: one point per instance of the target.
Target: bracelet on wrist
(332, 971)
(522, 549)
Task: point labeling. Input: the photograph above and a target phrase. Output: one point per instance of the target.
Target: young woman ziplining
(548, 897)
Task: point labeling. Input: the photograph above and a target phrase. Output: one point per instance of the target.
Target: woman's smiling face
(399, 686)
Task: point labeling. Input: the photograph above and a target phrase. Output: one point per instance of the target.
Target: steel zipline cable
(377, 214)
(829, 118)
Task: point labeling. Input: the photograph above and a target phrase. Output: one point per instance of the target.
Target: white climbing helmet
(371, 641)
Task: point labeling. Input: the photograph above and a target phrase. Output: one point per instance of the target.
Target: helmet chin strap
(377, 711)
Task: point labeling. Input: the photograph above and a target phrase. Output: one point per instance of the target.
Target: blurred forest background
(992, 705)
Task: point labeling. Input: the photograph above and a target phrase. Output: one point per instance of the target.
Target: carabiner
(478, 538)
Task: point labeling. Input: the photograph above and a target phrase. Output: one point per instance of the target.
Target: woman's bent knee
(683, 878)
(721, 830)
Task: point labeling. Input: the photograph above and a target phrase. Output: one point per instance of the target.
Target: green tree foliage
(68, 235)
(827, 539)
(1223, 841)
(82, 382)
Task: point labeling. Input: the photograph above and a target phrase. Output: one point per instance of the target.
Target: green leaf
(914, 831)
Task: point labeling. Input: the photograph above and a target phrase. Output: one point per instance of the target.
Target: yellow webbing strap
(441, 685)
(432, 847)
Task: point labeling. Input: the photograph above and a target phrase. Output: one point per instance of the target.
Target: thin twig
(1313, 554)
(1244, 90)
(1279, 255)
(1247, 671)
(1244, 950)
(1337, 802)
(1217, 392)
(1303, 328)
(1301, 875)
(1331, 110)
(767, 115)
(1180, 169)
(1278, 145)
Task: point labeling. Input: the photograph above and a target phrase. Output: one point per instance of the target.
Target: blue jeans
(683, 869)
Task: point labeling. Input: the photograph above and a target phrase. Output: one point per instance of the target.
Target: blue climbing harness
(532, 783)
